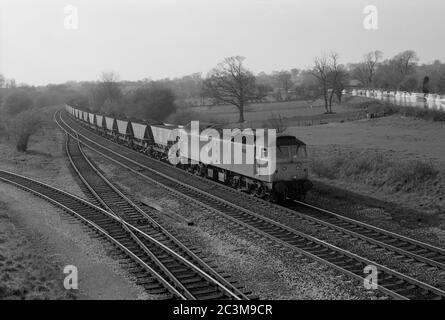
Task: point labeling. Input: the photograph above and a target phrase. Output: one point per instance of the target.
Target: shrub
(409, 175)
(324, 169)
(23, 126)
(376, 170)
(154, 101)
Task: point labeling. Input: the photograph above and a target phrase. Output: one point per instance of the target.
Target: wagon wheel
(233, 182)
(198, 170)
(260, 192)
(279, 193)
(202, 171)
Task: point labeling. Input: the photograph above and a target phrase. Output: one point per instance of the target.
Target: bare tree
(358, 71)
(2, 80)
(333, 76)
(321, 72)
(337, 77)
(232, 83)
(330, 75)
(371, 59)
(406, 61)
(10, 83)
(284, 79)
(108, 89)
(342, 78)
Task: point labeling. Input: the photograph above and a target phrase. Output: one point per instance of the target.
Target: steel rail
(12, 179)
(222, 283)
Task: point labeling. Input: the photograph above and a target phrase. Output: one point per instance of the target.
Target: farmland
(257, 114)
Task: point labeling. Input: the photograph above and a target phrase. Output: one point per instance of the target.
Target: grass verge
(376, 170)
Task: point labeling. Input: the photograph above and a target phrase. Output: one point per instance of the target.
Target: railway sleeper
(214, 296)
(186, 275)
(191, 280)
(205, 291)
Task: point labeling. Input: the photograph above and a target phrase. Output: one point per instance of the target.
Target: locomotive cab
(291, 174)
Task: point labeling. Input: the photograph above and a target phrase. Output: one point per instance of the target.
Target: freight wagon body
(125, 132)
(161, 136)
(111, 126)
(91, 119)
(100, 121)
(142, 134)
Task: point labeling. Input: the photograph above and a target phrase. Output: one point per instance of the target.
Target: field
(395, 159)
(257, 114)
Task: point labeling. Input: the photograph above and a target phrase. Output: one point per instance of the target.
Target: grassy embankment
(376, 170)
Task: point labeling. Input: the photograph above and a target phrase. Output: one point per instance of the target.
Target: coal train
(288, 180)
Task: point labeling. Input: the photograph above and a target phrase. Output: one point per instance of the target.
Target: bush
(324, 169)
(154, 101)
(363, 164)
(23, 126)
(409, 175)
(375, 169)
(15, 102)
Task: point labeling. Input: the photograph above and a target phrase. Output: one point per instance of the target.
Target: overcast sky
(157, 39)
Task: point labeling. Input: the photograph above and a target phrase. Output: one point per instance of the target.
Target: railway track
(391, 282)
(200, 283)
(140, 247)
(405, 249)
(102, 222)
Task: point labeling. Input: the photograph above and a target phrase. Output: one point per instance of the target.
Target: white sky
(166, 38)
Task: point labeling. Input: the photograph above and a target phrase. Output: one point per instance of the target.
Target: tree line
(229, 82)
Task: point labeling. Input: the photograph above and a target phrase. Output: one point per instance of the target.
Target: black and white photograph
(241, 152)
